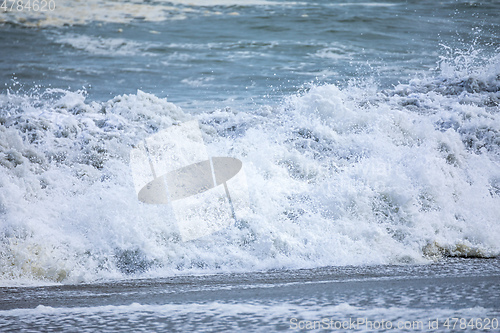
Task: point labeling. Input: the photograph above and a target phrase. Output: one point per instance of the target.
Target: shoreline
(233, 286)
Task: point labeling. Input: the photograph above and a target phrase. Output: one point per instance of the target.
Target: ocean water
(375, 298)
(369, 132)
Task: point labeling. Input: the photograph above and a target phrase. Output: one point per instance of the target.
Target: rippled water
(369, 133)
(363, 299)
(236, 53)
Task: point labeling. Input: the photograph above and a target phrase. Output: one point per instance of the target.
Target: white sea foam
(367, 4)
(105, 46)
(253, 316)
(210, 3)
(75, 12)
(335, 52)
(83, 12)
(337, 177)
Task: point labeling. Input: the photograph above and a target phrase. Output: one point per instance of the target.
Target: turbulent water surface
(369, 133)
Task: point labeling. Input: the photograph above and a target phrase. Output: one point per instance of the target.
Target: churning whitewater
(337, 176)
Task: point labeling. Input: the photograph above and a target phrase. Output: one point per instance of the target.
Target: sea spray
(337, 176)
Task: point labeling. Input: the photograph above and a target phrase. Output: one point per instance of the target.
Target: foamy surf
(337, 176)
(75, 12)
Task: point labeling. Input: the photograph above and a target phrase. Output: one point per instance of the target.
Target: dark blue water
(241, 54)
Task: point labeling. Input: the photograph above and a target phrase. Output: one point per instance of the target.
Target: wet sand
(369, 298)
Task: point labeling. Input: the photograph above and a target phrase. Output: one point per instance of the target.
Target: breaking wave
(337, 176)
